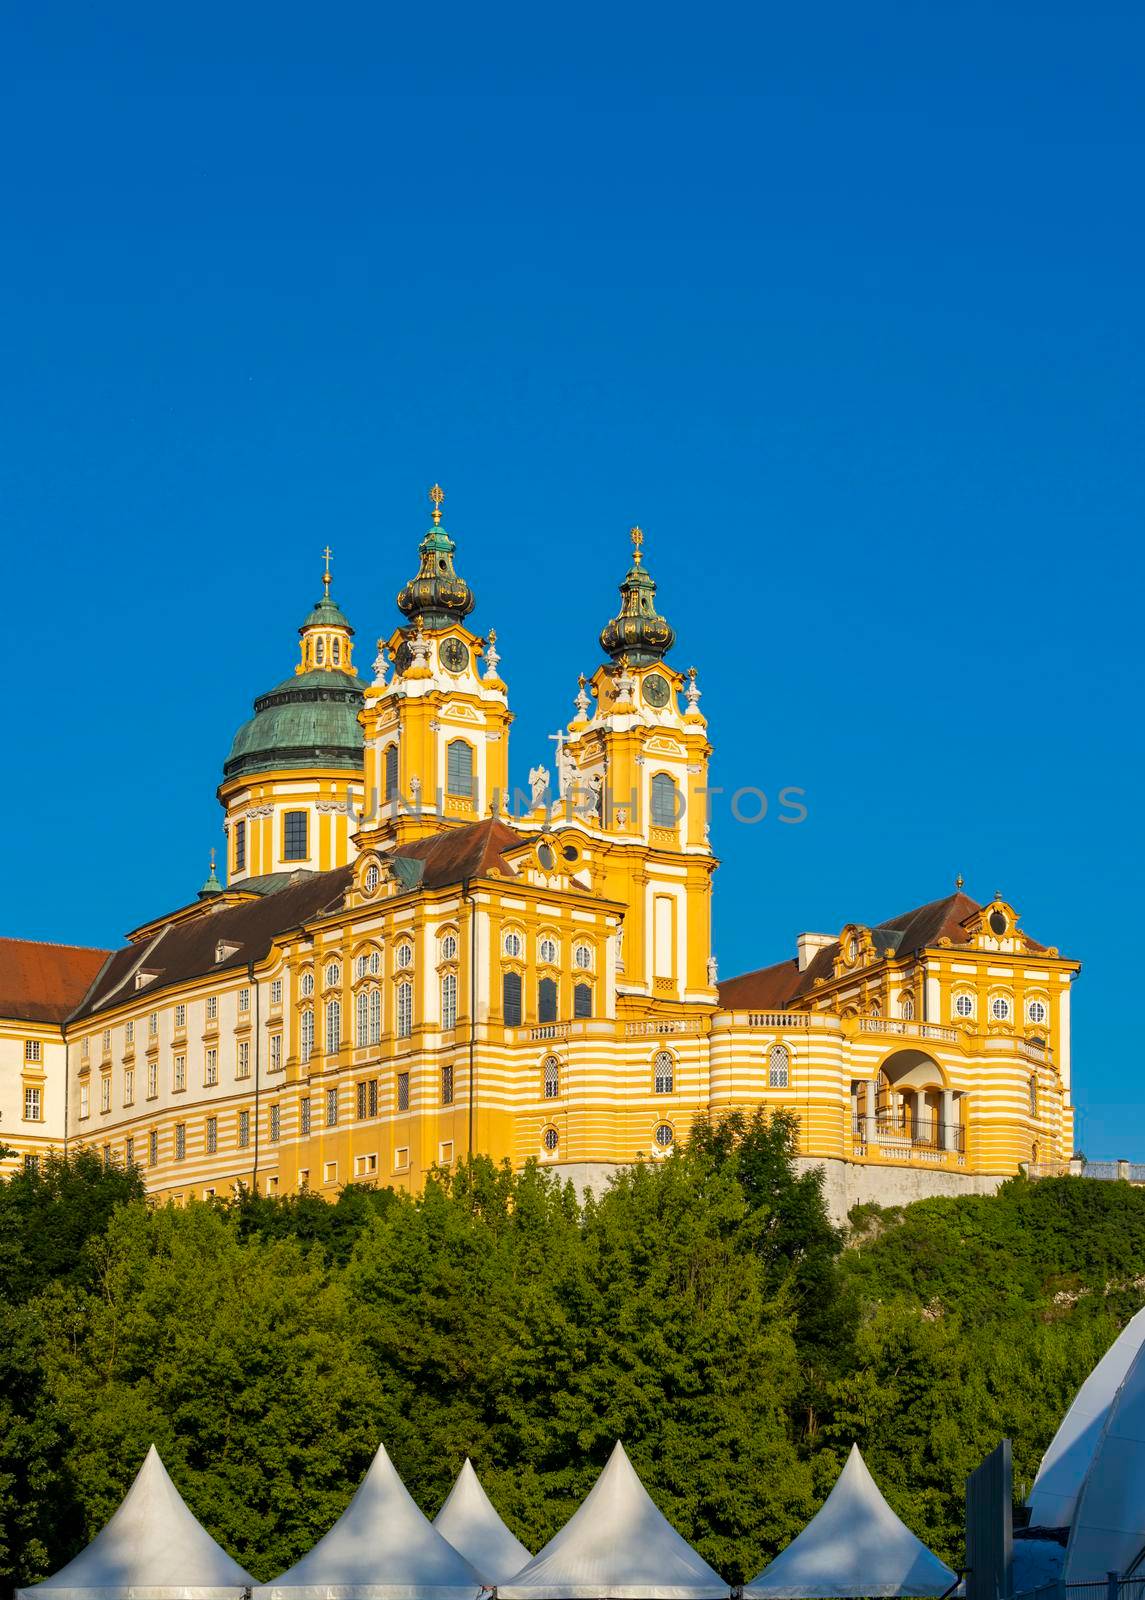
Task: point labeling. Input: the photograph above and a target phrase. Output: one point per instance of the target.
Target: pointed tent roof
(1053, 1498)
(853, 1545)
(1108, 1531)
(616, 1546)
(152, 1546)
(471, 1524)
(381, 1548)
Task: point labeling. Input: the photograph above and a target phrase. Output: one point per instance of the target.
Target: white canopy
(616, 1546)
(1108, 1531)
(381, 1548)
(853, 1545)
(472, 1526)
(1053, 1498)
(152, 1549)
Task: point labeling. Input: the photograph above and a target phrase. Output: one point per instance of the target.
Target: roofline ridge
(54, 944)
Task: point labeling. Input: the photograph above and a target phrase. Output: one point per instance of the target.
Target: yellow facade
(464, 969)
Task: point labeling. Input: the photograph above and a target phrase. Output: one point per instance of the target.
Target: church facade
(409, 962)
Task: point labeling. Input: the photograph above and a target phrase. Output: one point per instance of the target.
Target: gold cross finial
(212, 858)
(327, 553)
(959, 881)
(637, 541)
(437, 495)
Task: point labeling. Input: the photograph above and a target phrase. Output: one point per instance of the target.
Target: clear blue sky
(842, 303)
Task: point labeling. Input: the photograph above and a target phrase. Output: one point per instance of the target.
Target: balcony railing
(890, 1128)
(908, 1030)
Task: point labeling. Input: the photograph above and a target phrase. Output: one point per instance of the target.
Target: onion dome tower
(437, 596)
(293, 781)
(638, 632)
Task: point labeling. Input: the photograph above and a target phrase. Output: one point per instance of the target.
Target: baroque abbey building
(409, 963)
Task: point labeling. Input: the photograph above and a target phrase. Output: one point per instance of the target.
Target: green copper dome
(326, 615)
(311, 720)
(437, 595)
(638, 632)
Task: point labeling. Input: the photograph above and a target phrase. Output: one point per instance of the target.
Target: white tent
(616, 1546)
(152, 1547)
(381, 1548)
(1053, 1497)
(853, 1545)
(1108, 1531)
(470, 1523)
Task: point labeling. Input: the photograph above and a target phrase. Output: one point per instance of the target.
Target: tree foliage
(703, 1309)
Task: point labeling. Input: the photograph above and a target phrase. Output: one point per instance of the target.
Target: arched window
(663, 1072)
(547, 1000)
(306, 985)
(320, 650)
(449, 1000)
(778, 1067)
(511, 998)
(375, 1016)
(547, 950)
(362, 1017)
(907, 1008)
(373, 877)
(405, 954)
(665, 799)
(333, 975)
(582, 956)
(391, 772)
(405, 1010)
(459, 767)
(333, 1026)
(582, 1000)
(306, 1034)
(335, 652)
(369, 1017)
(449, 947)
(551, 1077)
(513, 944)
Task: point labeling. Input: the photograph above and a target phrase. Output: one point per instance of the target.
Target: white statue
(380, 665)
(691, 693)
(491, 655)
(582, 700)
(713, 971)
(539, 781)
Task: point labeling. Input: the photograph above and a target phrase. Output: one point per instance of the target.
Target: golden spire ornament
(327, 553)
(437, 495)
(637, 541)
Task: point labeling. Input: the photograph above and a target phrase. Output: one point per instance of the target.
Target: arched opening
(908, 1105)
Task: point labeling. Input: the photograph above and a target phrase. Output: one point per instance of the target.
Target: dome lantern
(638, 632)
(437, 595)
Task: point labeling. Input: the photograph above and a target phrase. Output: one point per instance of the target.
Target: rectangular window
(105, 1093)
(306, 1035)
(180, 1072)
(244, 1129)
(107, 1041)
(180, 1016)
(240, 846)
(362, 1102)
(294, 846)
(129, 1086)
(152, 1079)
(365, 1166)
(449, 1000)
(32, 1105)
(129, 1033)
(275, 1128)
(405, 1010)
(153, 1147)
(153, 1024)
(85, 1101)
(129, 1153)
(212, 1008)
(276, 991)
(211, 1068)
(331, 1108)
(275, 1052)
(180, 1140)
(547, 1000)
(330, 1172)
(403, 1091)
(244, 999)
(459, 767)
(31, 1163)
(212, 1135)
(85, 1050)
(582, 1000)
(304, 1116)
(447, 1083)
(663, 927)
(372, 1098)
(401, 1158)
(31, 1049)
(242, 1067)
(107, 1155)
(333, 1026)
(445, 1152)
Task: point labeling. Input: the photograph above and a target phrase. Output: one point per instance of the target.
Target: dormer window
(224, 949)
(143, 977)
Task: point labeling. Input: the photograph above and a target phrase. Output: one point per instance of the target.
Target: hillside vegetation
(703, 1310)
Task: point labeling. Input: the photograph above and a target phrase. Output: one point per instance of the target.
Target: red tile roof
(45, 982)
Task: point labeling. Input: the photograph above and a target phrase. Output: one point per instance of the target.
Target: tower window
(778, 1067)
(511, 998)
(459, 768)
(335, 652)
(320, 650)
(551, 1077)
(240, 846)
(391, 772)
(665, 797)
(547, 1000)
(664, 1072)
(582, 1000)
(294, 846)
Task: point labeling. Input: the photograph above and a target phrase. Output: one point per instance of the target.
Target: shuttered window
(511, 998)
(459, 768)
(391, 777)
(582, 1000)
(547, 1000)
(664, 801)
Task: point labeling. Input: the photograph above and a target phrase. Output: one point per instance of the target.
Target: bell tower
(634, 766)
(437, 731)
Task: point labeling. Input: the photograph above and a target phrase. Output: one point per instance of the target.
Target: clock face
(454, 655)
(656, 690)
(404, 657)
